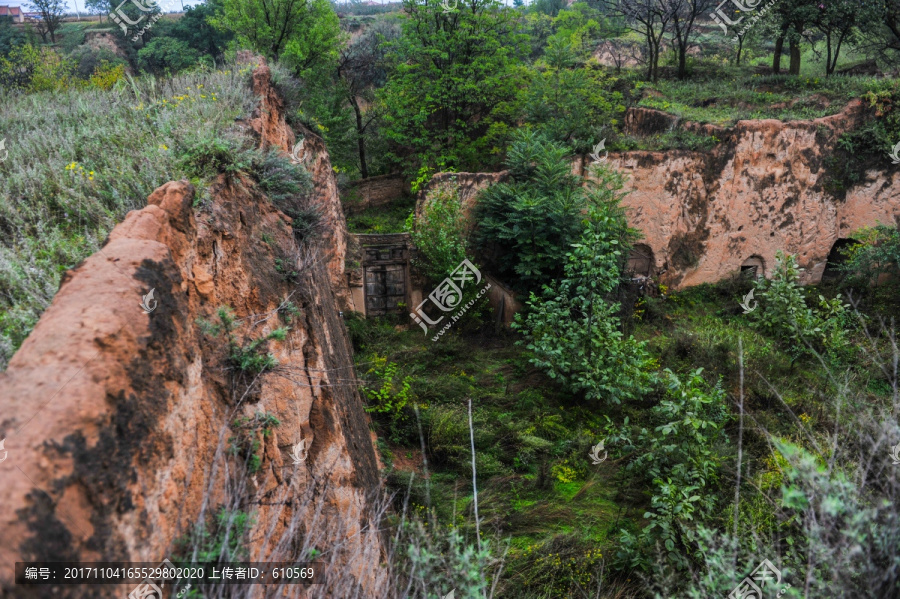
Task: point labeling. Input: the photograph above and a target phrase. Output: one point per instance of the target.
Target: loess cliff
(764, 187)
(127, 430)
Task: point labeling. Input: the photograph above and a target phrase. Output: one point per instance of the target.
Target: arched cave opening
(753, 267)
(837, 257)
(640, 261)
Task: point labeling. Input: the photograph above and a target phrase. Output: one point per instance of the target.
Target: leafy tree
(684, 27)
(452, 70)
(527, 224)
(36, 69)
(874, 264)
(539, 28)
(840, 22)
(302, 33)
(439, 235)
(10, 37)
(360, 70)
(98, 7)
(548, 7)
(790, 21)
(680, 456)
(572, 329)
(52, 12)
(195, 29)
(566, 103)
(580, 26)
(166, 55)
(651, 19)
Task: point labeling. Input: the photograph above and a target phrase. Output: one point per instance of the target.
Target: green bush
(874, 264)
(224, 541)
(246, 443)
(526, 226)
(206, 158)
(166, 55)
(439, 234)
(289, 187)
(785, 315)
(572, 328)
(88, 59)
(680, 457)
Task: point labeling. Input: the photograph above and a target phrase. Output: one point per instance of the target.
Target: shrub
(786, 316)
(876, 258)
(388, 394)
(36, 69)
(106, 75)
(526, 226)
(289, 187)
(248, 438)
(573, 330)
(223, 541)
(166, 55)
(439, 234)
(207, 157)
(680, 458)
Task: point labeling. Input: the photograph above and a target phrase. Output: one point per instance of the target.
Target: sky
(166, 5)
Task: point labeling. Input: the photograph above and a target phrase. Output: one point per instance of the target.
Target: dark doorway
(837, 257)
(753, 268)
(640, 261)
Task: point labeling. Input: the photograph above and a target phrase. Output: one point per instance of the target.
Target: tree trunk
(740, 49)
(654, 63)
(795, 57)
(682, 61)
(360, 138)
(776, 59)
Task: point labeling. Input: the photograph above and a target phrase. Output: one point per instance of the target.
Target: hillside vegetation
(619, 439)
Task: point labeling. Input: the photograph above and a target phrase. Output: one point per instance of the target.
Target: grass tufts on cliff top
(79, 160)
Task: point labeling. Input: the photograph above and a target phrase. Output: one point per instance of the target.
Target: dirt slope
(119, 423)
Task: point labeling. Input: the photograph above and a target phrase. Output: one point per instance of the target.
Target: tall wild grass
(80, 159)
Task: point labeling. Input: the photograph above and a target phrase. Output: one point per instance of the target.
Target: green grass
(536, 488)
(79, 160)
(723, 96)
(382, 219)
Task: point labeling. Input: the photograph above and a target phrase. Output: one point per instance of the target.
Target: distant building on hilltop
(14, 12)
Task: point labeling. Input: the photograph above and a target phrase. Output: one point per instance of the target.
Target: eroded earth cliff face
(763, 188)
(125, 429)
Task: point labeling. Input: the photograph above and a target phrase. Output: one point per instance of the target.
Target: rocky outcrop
(126, 429)
(763, 188)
